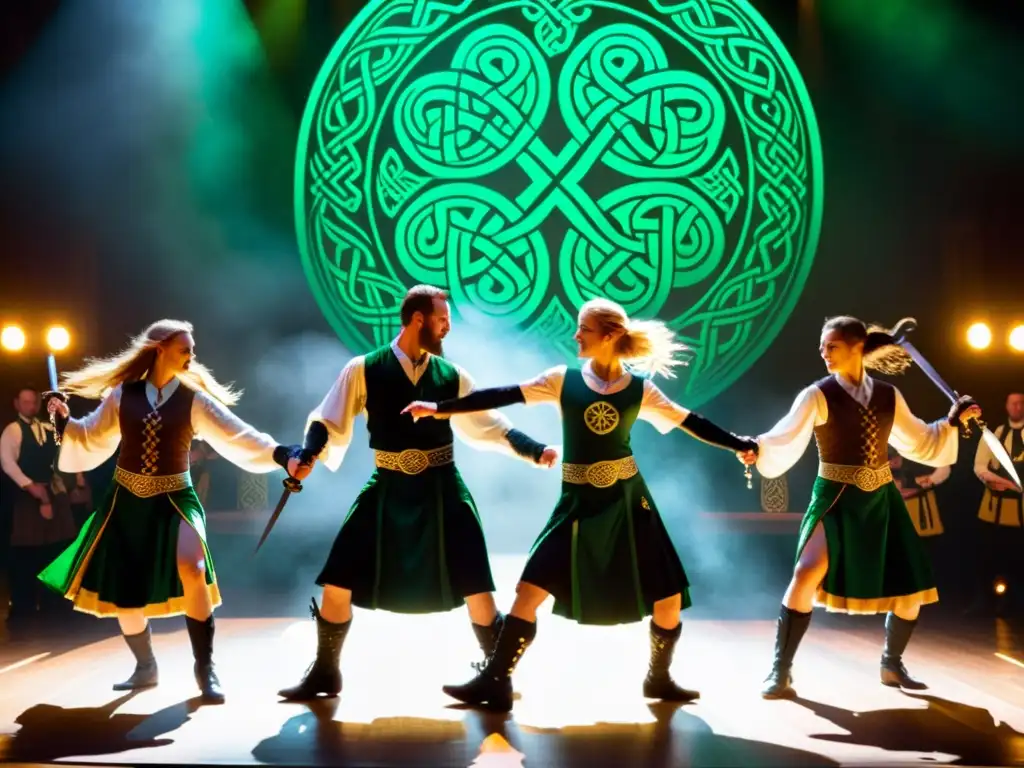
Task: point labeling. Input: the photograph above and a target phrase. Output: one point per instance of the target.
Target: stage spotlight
(12, 338)
(58, 338)
(1017, 338)
(979, 336)
(999, 586)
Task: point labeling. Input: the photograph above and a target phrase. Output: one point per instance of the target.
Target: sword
(291, 485)
(899, 333)
(51, 366)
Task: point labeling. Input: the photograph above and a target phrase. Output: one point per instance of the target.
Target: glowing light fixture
(1017, 338)
(979, 336)
(12, 338)
(58, 338)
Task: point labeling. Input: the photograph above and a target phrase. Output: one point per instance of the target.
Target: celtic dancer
(604, 554)
(143, 553)
(858, 551)
(412, 541)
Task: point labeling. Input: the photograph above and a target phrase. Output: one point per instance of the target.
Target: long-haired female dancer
(143, 553)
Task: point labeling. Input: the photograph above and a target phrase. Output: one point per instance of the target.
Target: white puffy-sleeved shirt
(934, 444)
(346, 399)
(90, 441)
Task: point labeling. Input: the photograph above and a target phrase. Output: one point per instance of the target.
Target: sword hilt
(291, 484)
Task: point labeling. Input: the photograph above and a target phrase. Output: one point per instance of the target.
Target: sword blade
(998, 451)
(932, 374)
(1000, 454)
(51, 369)
(274, 515)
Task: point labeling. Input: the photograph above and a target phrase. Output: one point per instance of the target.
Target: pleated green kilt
(605, 555)
(125, 556)
(875, 555)
(411, 544)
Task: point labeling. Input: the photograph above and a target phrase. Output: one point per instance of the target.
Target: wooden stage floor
(579, 702)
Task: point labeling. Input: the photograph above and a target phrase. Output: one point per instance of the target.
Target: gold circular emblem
(601, 417)
(865, 479)
(412, 461)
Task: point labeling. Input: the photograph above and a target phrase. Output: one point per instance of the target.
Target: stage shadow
(946, 727)
(49, 732)
(493, 740)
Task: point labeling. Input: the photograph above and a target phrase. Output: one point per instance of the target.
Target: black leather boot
(201, 635)
(488, 638)
(897, 635)
(145, 674)
(323, 676)
(789, 632)
(659, 683)
(492, 687)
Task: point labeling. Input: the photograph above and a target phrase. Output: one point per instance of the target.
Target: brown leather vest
(855, 435)
(155, 441)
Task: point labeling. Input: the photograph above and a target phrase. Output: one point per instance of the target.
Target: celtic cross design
(529, 155)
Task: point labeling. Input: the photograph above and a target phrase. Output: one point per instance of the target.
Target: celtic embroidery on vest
(151, 425)
(529, 155)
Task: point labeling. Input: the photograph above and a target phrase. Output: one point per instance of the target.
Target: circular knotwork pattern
(603, 474)
(601, 417)
(529, 155)
(412, 461)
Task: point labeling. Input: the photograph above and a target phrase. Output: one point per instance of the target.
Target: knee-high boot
(145, 674)
(201, 635)
(492, 687)
(897, 635)
(323, 676)
(789, 632)
(659, 683)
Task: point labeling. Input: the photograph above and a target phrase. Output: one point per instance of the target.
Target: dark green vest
(36, 460)
(596, 427)
(388, 391)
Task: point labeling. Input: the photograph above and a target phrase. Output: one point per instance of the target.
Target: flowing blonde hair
(134, 363)
(649, 346)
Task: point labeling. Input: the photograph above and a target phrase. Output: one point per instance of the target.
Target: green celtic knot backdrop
(529, 155)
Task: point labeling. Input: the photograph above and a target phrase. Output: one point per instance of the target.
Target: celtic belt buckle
(603, 474)
(412, 461)
(866, 479)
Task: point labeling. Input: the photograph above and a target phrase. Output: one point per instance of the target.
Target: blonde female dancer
(604, 554)
(143, 552)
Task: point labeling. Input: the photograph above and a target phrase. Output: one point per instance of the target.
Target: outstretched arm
(336, 414)
(238, 442)
(546, 388)
(657, 409)
(489, 429)
(782, 446)
(934, 445)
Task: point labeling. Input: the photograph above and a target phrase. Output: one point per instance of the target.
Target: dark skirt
(30, 529)
(875, 555)
(411, 544)
(605, 555)
(125, 556)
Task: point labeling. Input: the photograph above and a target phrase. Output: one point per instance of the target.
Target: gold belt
(603, 474)
(865, 478)
(145, 486)
(412, 461)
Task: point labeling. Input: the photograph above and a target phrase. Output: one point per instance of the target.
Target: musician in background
(1001, 535)
(917, 486)
(42, 523)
